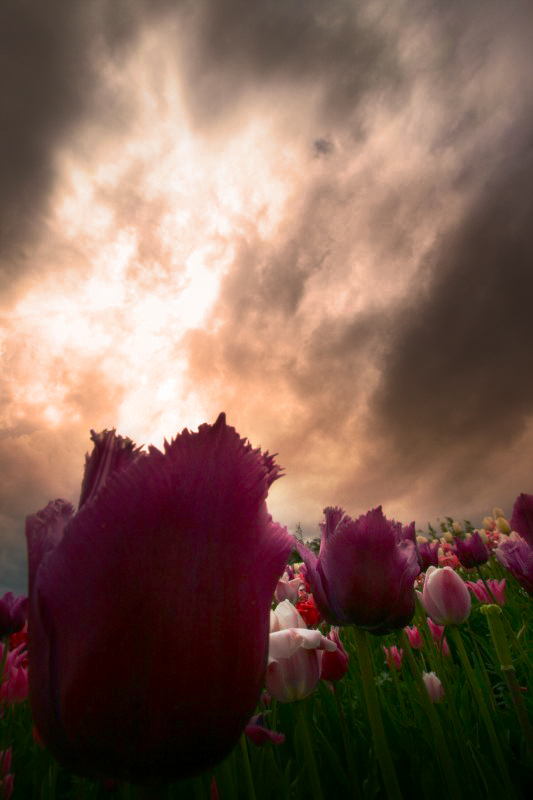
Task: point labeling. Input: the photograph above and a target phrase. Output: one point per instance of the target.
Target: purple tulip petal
(149, 621)
(522, 518)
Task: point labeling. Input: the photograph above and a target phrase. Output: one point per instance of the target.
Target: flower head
(364, 572)
(13, 613)
(294, 655)
(434, 686)
(492, 592)
(515, 554)
(428, 552)
(393, 656)
(522, 517)
(445, 596)
(137, 670)
(471, 551)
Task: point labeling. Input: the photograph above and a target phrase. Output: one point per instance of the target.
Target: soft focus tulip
(364, 572)
(13, 613)
(522, 517)
(492, 592)
(259, 734)
(437, 634)
(428, 552)
(434, 686)
(149, 607)
(287, 588)
(445, 596)
(334, 663)
(415, 639)
(393, 656)
(14, 683)
(294, 655)
(471, 551)
(515, 554)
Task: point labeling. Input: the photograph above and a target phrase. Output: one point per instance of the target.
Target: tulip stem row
(465, 661)
(374, 715)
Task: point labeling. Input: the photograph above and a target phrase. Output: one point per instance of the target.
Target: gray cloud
(377, 336)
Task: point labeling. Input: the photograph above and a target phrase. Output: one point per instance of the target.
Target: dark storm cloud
(50, 56)
(460, 368)
(335, 47)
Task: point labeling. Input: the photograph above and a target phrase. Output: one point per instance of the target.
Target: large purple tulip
(149, 607)
(364, 572)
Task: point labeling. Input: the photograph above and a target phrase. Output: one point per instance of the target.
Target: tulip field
(382, 662)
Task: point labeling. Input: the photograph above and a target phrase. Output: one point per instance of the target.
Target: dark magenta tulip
(522, 517)
(364, 572)
(149, 608)
(13, 613)
(471, 551)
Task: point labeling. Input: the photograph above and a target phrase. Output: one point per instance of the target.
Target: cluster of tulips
(176, 641)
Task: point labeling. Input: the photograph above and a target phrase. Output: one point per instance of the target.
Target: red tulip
(137, 670)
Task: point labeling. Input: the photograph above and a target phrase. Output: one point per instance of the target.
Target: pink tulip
(259, 734)
(415, 639)
(445, 596)
(393, 656)
(434, 686)
(149, 607)
(494, 594)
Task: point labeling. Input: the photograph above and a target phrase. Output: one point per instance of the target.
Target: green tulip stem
(493, 614)
(310, 760)
(443, 753)
(374, 715)
(347, 745)
(476, 690)
(250, 791)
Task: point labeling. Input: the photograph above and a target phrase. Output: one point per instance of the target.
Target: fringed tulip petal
(364, 573)
(149, 620)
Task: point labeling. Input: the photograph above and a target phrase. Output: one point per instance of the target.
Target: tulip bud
(488, 522)
(445, 596)
(498, 512)
(434, 686)
(502, 525)
(456, 527)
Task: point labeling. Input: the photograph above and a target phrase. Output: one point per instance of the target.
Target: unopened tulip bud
(434, 686)
(456, 527)
(502, 525)
(445, 596)
(498, 512)
(488, 523)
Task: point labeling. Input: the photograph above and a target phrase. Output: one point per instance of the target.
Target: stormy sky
(315, 215)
